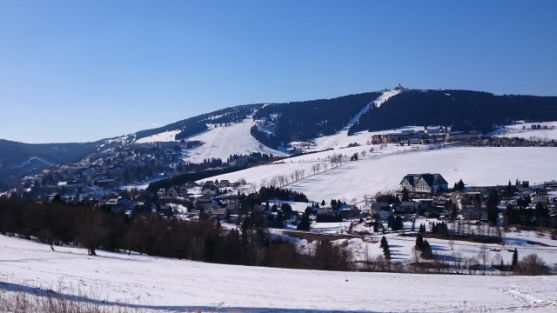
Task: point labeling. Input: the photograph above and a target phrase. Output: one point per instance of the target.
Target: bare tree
(472, 264)
(363, 153)
(457, 261)
(484, 256)
(314, 169)
(282, 180)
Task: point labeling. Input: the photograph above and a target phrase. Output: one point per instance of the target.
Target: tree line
(149, 233)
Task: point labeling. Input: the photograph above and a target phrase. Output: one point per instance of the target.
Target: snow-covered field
(383, 170)
(525, 131)
(182, 286)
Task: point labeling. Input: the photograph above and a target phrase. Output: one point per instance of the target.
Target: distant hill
(463, 110)
(305, 120)
(246, 129)
(19, 158)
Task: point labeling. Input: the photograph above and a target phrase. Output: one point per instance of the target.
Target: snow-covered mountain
(286, 128)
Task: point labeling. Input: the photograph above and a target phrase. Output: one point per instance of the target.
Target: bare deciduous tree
(484, 256)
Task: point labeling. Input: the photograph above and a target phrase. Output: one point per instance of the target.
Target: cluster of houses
(429, 194)
(428, 135)
(103, 173)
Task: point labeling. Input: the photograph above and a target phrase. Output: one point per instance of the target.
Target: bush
(532, 265)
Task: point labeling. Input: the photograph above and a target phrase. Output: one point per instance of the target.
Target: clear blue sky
(87, 70)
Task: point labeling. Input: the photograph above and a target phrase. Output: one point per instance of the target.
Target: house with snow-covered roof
(425, 183)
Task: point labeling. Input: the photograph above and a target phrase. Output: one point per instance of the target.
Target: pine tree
(383, 242)
(304, 223)
(492, 203)
(422, 228)
(419, 242)
(460, 185)
(391, 222)
(515, 259)
(385, 246)
(404, 194)
(426, 250)
(398, 225)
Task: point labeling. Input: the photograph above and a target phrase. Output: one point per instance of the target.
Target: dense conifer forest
(304, 120)
(463, 110)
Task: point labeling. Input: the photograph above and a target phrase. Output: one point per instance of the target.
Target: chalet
(206, 204)
(224, 183)
(384, 213)
(209, 190)
(376, 206)
(327, 214)
(209, 183)
(233, 207)
(407, 207)
(424, 183)
(219, 214)
(349, 211)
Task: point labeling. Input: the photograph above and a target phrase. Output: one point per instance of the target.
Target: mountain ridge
(275, 125)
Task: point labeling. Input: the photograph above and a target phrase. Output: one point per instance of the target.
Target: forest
(304, 120)
(149, 233)
(463, 110)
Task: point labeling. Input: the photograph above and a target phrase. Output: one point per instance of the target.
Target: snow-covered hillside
(341, 138)
(221, 142)
(182, 286)
(382, 170)
(161, 137)
(547, 132)
(218, 142)
(387, 94)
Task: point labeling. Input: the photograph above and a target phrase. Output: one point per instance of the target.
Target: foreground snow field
(384, 169)
(173, 285)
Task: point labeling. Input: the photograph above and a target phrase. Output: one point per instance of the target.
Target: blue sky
(87, 70)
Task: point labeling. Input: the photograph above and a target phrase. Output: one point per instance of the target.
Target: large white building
(427, 183)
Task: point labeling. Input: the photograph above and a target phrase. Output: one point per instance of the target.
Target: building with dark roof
(426, 183)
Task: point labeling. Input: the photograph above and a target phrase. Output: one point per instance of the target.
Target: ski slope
(341, 138)
(386, 96)
(167, 285)
(221, 142)
(383, 170)
(160, 137)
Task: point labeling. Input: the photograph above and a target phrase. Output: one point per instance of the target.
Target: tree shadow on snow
(221, 308)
